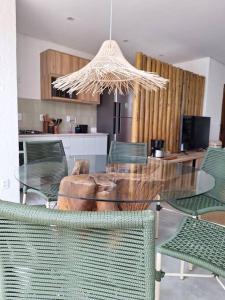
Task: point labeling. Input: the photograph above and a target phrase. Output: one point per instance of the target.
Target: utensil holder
(50, 129)
(56, 129)
(45, 126)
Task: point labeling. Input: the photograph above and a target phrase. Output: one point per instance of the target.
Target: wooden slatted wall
(157, 115)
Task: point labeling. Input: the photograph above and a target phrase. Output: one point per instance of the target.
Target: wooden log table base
(81, 192)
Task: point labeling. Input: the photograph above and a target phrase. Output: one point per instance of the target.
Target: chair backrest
(41, 150)
(121, 152)
(214, 164)
(50, 254)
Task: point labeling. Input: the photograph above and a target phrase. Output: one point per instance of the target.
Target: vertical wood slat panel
(151, 109)
(156, 106)
(169, 128)
(177, 110)
(196, 96)
(157, 115)
(161, 102)
(164, 95)
(189, 95)
(202, 91)
(142, 104)
(172, 120)
(193, 89)
(192, 104)
(147, 106)
(136, 103)
(183, 91)
(187, 101)
(169, 108)
(186, 88)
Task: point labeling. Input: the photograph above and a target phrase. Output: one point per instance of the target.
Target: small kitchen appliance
(157, 148)
(81, 128)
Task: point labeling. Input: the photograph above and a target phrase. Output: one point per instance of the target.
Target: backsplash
(31, 110)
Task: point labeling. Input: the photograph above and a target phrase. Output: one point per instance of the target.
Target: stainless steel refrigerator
(114, 116)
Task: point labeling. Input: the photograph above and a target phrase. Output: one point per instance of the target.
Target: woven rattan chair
(121, 152)
(197, 242)
(214, 200)
(45, 151)
(50, 254)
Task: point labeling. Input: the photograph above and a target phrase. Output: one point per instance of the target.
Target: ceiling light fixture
(109, 70)
(70, 18)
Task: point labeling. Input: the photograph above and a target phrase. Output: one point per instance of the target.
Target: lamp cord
(110, 26)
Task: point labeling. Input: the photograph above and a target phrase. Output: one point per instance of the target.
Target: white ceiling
(174, 30)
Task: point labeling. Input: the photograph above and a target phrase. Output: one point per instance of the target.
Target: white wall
(198, 66)
(28, 58)
(214, 73)
(8, 99)
(213, 105)
(201, 67)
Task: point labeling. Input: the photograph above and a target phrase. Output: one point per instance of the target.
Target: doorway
(222, 123)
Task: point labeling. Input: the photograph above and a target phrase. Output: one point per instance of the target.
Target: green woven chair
(50, 254)
(121, 152)
(197, 242)
(214, 200)
(45, 151)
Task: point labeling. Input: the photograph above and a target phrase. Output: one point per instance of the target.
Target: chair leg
(158, 208)
(158, 268)
(157, 225)
(182, 270)
(24, 198)
(220, 282)
(190, 266)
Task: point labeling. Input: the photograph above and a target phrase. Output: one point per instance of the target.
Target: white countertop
(21, 136)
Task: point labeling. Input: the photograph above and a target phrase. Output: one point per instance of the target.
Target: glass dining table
(89, 182)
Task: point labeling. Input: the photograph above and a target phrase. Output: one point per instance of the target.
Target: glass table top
(96, 180)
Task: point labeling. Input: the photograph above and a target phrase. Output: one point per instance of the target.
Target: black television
(195, 132)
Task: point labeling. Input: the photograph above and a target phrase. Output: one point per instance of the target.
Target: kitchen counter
(74, 143)
(22, 136)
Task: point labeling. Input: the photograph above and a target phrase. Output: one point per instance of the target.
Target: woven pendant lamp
(109, 69)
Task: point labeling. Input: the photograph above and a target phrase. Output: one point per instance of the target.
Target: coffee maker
(157, 148)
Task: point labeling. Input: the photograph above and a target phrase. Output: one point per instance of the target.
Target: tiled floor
(173, 288)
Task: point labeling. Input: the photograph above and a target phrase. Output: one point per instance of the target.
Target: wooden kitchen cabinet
(82, 97)
(75, 63)
(55, 64)
(63, 63)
